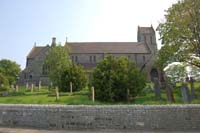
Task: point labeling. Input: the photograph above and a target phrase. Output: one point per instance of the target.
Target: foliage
(4, 88)
(76, 75)
(194, 72)
(176, 72)
(117, 79)
(8, 71)
(180, 34)
(58, 62)
(3, 80)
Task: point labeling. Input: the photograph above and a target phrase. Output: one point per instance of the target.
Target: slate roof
(107, 47)
(36, 51)
(98, 48)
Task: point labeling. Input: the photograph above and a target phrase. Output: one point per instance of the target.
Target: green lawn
(44, 96)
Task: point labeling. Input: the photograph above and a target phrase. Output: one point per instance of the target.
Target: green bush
(4, 88)
(75, 74)
(117, 79)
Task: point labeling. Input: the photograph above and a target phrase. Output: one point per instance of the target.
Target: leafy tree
(180, 33)
(9, 71)
(76, 75)
(117, 79)
(58, 62)
(176, 72)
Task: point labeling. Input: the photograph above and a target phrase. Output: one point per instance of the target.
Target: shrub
(117, 79)
(75, 74)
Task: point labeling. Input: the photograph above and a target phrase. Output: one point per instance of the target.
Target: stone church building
(88, 54)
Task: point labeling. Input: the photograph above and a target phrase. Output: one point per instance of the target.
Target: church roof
(107, 47)
(35, 51)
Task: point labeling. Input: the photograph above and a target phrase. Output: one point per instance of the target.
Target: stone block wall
(133, 117)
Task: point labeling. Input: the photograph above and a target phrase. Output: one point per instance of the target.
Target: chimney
(66, 41)
(53, 41)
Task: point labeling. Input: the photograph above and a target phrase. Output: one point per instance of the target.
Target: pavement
(24, 130)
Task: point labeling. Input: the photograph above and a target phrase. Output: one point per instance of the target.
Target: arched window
(144, 59)
(45, 69)
(151, 39)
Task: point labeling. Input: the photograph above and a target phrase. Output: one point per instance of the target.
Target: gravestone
(16, 88)
(71, 88)
(57, 94)
(157, 88)
(185, 93)
(32, 88)
(27, 85)
(12, 87)
(39, 86)
(93, 94)
(192, 88)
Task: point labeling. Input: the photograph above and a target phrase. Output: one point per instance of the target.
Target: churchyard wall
(129, 117)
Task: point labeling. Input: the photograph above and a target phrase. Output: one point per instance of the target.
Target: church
(88, 54)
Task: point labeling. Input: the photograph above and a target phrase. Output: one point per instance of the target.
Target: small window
(72, 58)
(143, 58)
(24, 75)
(151, 39)
(30, 76)
(45, 69)
(145, 39)
(94, 58)
(76, 59)
(90, 58)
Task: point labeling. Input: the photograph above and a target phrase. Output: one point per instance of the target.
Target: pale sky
(24, 22)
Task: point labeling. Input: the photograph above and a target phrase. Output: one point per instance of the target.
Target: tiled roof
(35, 51)
(107, 47)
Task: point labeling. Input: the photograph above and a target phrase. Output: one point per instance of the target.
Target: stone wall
(134, 117)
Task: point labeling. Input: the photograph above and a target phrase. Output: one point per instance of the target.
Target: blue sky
(24, 22)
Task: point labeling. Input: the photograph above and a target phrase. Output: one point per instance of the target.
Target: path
(21, 130)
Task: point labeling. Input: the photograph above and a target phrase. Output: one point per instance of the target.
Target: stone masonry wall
(133, 117)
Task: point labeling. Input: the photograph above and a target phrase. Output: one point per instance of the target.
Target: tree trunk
(168, 87)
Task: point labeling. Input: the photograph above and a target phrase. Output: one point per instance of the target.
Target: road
(21, 130)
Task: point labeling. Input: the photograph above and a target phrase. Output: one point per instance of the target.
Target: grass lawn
(24, 96)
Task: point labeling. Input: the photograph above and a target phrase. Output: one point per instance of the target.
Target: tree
(176, 72)
(180, 33)
(117, 79)
(76, 75)
(58, 61)
(9, 70)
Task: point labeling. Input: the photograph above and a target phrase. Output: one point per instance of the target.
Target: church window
(143, 58)
(94, 58)
(90, 58)
(30, 76)
(151, 39)
(76, 59)
(72, 58)
(45, 69)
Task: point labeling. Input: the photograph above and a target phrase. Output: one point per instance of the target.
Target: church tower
(148, 35)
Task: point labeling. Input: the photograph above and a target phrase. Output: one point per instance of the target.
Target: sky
(26, 22)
